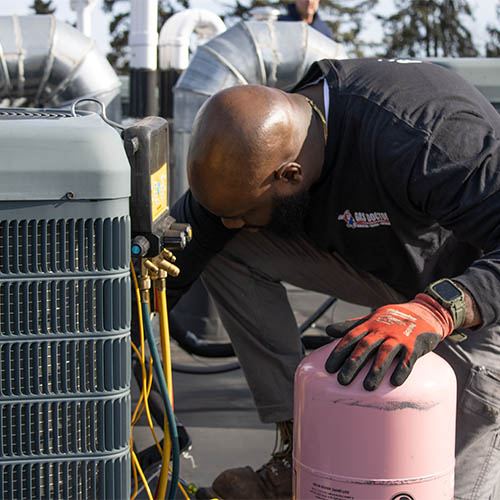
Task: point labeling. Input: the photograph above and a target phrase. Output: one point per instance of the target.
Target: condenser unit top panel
(54, 155)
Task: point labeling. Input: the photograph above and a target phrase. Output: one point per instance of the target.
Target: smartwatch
(451, 297)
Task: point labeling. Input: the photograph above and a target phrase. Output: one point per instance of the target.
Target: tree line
(416, 28)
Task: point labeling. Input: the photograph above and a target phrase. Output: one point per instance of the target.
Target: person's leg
(245, 282)
(475, 361)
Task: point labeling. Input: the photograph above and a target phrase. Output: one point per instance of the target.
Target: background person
(307, 11)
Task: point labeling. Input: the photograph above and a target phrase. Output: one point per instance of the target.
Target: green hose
(157, 366)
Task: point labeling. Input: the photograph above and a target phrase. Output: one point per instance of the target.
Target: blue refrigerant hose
(157, 366)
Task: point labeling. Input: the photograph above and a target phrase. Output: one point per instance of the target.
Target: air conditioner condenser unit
(64, 307)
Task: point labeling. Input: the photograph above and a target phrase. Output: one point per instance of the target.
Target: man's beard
(289, 214)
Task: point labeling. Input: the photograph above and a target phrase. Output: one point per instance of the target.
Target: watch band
(451, 297)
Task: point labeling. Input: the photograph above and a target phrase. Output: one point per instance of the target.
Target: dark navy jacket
(317, 24)
(410, 186)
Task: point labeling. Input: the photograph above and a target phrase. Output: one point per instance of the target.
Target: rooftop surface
(218, 410)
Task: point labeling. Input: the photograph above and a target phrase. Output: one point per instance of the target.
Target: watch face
(447, 291)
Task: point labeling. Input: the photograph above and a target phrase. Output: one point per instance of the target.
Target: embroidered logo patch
(364, 219)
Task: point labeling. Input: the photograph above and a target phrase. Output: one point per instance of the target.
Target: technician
(307, 11)
(377, 182)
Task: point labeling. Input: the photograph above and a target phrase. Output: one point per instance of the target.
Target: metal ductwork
(48, 63)
(276, 54)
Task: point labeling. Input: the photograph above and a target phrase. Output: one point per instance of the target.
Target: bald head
(240, 139)
(239, 130)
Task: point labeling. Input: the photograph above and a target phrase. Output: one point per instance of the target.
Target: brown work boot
(272, 480)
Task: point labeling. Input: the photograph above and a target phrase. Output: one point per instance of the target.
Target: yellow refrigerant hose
(147, 381)
(167, 369)
(165, 342)
(136, 467)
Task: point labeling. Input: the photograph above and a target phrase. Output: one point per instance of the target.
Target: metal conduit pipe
(48, 63)
(174, 47)
(276, 54)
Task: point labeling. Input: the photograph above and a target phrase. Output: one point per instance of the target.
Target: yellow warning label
(159, 192)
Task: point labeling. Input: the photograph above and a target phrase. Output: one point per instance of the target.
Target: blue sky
(484, 11)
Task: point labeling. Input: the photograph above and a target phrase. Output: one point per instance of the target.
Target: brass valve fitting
(168, 255)
(150, 266)
(144, 287)
(171, 269)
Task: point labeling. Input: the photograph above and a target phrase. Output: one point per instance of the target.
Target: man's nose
(233, 223)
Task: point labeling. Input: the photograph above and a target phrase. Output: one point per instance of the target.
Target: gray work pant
(245, 281)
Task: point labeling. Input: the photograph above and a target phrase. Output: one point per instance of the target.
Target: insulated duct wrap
(48, 63)
(276, 54)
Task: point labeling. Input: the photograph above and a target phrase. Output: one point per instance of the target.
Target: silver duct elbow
(48, 63)
(276, 54)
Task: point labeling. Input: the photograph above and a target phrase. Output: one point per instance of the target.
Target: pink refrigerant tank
(395, 443)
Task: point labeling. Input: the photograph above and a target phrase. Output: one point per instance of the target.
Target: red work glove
(410, 330)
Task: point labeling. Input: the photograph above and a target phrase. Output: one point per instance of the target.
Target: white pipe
(143, 38)
(83, 10)
(175, 35)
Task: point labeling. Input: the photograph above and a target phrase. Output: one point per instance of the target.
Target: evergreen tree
(347, 20)
(243, 10)
(428, 28)
(493, 44)
(119, 29)
(41, 7)
(119, 55)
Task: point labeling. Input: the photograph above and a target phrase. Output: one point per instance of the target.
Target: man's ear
(289, 172)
